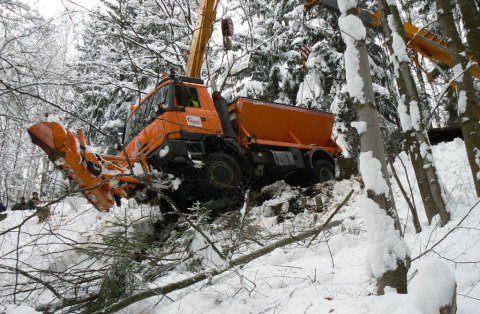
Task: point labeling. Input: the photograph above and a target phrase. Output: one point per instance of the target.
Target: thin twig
(445, 236)
(411, 206)
(328, 246)
(331, 216)
(242, 260)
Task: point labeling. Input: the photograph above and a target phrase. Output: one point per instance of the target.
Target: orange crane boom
(426, 43)
(201, 35)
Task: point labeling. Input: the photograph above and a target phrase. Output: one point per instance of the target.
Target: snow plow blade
(83, 167)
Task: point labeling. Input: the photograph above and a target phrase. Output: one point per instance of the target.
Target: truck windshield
(147, 111)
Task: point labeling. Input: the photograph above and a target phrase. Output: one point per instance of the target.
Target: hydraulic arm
(201, 35)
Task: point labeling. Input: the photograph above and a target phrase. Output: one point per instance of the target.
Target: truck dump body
(269, 123)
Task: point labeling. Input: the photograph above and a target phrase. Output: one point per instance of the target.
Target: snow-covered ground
(323, 277)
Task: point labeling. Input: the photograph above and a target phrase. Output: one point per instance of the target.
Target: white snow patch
(115, 124)
(137, 169)
(458, 72)
(431, 289)
(405, 119)
(361, 126)
(398, 44)
(204, 250)
(164, 151)
(371, 170)
(352, 31)
(435, 282)
(462, 102)
(344, 5)
(415, 115)
(176, 183)
(20, 309)
(386, 245)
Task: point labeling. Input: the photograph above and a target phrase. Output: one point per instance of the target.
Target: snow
(176, 183)
(435, 282)
(430, 289)
(20, 4)
(164, 151)
(296, 41)
(371, 170)
(415, 115)
(386, 246)
(361, 126)
(405, 119)
(398, 44)
(352, 31)
(462, 102)
(297, 278)
(458, 72)
(115, 123)
(344, 5)
(137, 169)
(20, 309)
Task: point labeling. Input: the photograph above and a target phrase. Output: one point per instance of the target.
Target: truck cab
(177, 110)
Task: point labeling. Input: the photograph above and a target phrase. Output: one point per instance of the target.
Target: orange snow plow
(103, 179)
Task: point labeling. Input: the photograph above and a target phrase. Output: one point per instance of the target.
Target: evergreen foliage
(125, 51)
(120, 251)
(127, 48)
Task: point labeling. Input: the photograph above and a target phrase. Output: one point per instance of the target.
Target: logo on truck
(194, 121)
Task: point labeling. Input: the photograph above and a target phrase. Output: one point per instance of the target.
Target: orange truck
(215, 148)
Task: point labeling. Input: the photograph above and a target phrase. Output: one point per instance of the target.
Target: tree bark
(411, 206)
(451, 307)
(471, 21)
(371, 137)
(467, 107)
(417, 143)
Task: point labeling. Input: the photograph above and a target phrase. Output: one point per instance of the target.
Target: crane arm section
(201, 35)
(425, 43)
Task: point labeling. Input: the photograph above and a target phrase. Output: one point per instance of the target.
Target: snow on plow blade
(82, 167)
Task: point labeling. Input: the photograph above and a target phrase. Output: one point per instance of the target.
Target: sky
(49, 8)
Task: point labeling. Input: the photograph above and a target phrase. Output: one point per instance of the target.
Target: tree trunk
(471, 21)
(411, 110)
(371, 139)
(360, 88)
(467, 108)
(451, 307)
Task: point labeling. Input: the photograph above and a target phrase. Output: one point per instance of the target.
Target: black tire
(221, 176)
(323, 171)
(94, 169)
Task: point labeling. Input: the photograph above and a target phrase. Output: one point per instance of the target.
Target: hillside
(323, 277)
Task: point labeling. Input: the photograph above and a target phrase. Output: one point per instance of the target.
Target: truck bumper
(169, 151)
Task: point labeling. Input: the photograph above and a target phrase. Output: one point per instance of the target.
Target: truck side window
(147, 111)
(192, 102)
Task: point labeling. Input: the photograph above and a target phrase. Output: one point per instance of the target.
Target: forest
(393, 228)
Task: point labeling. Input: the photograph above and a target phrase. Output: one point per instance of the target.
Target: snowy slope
(325, 277)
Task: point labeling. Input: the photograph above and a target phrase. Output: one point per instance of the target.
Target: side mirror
(186, 95)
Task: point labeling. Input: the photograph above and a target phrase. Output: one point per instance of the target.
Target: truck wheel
(323, 171)
(221, 176)
(94, 169)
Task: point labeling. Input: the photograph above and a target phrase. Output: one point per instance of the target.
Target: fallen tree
(163, 290)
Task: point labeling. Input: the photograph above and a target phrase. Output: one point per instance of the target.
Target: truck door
(198, 116)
